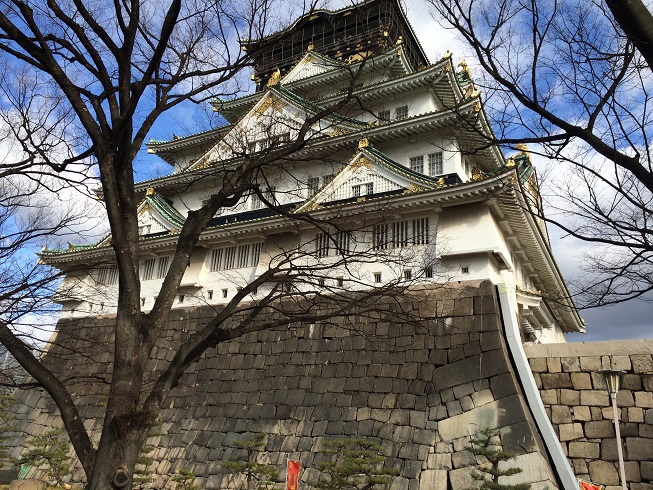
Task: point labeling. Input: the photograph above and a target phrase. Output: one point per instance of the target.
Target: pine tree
(49, 450)
(5, 424)
(261, 475)
(354, 463)
(487, 443)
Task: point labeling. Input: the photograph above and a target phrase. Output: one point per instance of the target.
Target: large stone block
(604, 472)
(556, 381)
(599, 429)
(500, 413)
(433, 480)
(534, 469)
(581, 381)
(594, 398)
(639, 449)
(642, 363)
(585, 450)
(569, 432)
(644, 399)
(646, 468)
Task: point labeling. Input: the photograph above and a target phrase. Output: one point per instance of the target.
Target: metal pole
(617, 430)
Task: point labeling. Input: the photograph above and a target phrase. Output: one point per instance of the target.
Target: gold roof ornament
(400, 40)
(363, 143)
(441, 182)
(310, 47)
(274, 78)
(464, 66)
(448, 54)
(71, 247)
(510, 162)
(149, 191)
(521, 147)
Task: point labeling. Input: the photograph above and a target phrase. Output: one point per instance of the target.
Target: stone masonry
(574, 393)
(420, 388)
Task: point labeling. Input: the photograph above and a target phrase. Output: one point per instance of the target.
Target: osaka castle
(395, 162)
(371, 168)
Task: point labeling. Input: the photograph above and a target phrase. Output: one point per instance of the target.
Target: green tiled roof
(161, 204)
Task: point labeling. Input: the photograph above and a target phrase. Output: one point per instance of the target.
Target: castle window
(235, 257)
(313, 185)
(401, 112)
(436, 164)
(421, 231)
(416, 164)
(147, 269)
(326, 244)
(377, 277)
(164, 265)
(380, 237)
(400, 234)
(464, 270)
(257, 203)
(358, 189)
(384, 116)
(225, 293)
(408, 275)
(209, 294)
(428, 272)
(340, 282)
(107, 276)
(180, 298)
(326, 179)
(322, 245)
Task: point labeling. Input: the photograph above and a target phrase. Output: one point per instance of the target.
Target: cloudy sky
(626, 321)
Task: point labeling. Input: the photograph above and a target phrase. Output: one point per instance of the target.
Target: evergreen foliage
(50, 451)
(5, 424)
(354, 463)
(487, 443)
(184, 479)
(257, 474)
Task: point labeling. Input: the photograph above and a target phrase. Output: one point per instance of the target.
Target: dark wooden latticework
(366, 29)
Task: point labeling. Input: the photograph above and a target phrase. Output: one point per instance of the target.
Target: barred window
(421, 231)
(417, 164)
(235, 257)
(322, 245)
(380, 237)
(362, 189)
(384, 116)
(327, 178)
(400, 234)
(343, 240)
(313, 185)
(436, 165)
(164, 265)
(401, 112)
(147, 269)
(107, 276)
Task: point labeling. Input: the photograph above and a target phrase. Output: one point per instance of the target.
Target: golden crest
(363, 162)
(271, 102)
(274, 78)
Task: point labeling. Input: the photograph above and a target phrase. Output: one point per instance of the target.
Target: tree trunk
(117, 455)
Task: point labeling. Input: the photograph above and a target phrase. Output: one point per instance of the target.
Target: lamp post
(612, 382)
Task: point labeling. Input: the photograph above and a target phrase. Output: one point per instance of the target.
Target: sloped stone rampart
(575, 397)
(421, 388)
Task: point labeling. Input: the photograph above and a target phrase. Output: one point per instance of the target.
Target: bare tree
(572, 80)
(116, 68)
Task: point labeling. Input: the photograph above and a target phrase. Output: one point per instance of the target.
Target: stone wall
(420, 388)
(574, 393)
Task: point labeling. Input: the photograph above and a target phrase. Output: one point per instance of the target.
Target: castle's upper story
(369, 168)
